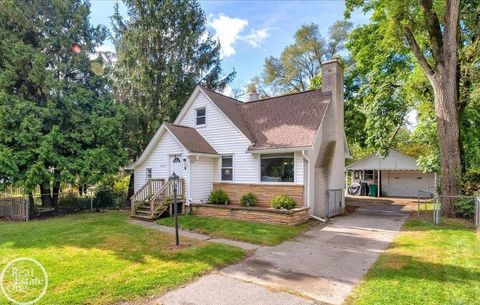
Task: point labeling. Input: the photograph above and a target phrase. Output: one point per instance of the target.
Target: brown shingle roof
(191, 139)
(278, 122)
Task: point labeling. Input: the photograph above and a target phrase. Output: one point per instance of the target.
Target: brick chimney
(332, 81)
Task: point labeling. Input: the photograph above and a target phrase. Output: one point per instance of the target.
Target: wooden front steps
(154, 198)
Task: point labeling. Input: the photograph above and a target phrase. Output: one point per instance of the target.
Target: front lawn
(101, 259)
(261, 234)
(426, 265)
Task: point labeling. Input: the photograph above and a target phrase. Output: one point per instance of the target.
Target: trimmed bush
(218, 197)
(248, 200)
(283, 202)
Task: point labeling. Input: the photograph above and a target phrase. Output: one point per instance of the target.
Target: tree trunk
(56, 191)
(46, 196)
(445, 85)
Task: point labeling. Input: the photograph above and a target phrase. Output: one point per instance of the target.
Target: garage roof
(394, 161)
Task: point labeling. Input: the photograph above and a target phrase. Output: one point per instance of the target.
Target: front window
(148, 173)
(200, 116)
(277, 168)
(227, 168)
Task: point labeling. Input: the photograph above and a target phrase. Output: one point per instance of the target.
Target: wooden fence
(14, 208)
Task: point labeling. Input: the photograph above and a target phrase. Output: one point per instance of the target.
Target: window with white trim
(148, 173)
(227, 168)
(200, 116)
(277, 168)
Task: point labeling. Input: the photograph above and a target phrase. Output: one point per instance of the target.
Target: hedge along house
(293, 144)
(397, 175)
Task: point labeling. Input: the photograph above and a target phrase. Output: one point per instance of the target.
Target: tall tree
(163, 51)
(430, 33)
(299, 65)
(58, 121)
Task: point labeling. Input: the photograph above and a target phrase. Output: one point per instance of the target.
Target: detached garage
(395, 176)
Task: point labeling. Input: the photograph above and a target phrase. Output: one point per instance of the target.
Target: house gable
(394, 161)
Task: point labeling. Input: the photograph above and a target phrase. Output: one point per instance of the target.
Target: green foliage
(117, 187)
(283, 202)
(163, 52)
(471, 183)
(104, 198)
(218, 197)
(248, 200)
(58, 120)
(72, 202)
(465, 208)
(298, 67)
(389, 83)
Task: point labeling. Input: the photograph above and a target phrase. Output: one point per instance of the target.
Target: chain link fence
(440, 209)
(425, 205)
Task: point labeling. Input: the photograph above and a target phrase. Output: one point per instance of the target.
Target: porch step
(143, 212)
(142, 217)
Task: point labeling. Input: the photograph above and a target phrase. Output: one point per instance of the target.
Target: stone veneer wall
(253, 214)
(264, 192)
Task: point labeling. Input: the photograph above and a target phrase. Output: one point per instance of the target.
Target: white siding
(298, 170)
(394, 160)
(202, 178)
(406, 183)
(225, 138)
(158, 159)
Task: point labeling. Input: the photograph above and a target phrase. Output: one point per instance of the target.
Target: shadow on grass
(397, 267)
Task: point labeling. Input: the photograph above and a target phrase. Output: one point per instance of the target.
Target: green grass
(101, 259)
(426, 265)
(261, 234)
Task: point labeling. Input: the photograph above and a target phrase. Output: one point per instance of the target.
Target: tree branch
(433, 28)
(417, 51)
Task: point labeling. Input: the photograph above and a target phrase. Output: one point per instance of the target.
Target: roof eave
(278, 149)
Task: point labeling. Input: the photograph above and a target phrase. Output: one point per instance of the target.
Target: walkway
(193, 235)
(320, 266)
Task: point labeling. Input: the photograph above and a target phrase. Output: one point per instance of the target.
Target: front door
(176, 165)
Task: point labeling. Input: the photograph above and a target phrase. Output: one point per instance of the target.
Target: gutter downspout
(304, 155)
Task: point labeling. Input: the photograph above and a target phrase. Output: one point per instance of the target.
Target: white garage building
(397, 175)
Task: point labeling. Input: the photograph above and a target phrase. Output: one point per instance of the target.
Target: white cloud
(101, 49)
(227, 31)
(227, 90)
(256, 37)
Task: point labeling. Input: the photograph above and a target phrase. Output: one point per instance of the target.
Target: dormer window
(200, 116)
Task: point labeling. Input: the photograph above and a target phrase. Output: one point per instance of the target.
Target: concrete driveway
(319, 267)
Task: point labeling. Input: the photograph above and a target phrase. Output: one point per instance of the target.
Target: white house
(292, 144)
(397, 175)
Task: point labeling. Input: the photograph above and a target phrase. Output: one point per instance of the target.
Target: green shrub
(73, 202)
(471, 183)
(218, 197)
(465, 208)
(104, 198)
(248, 200)
(283, 202)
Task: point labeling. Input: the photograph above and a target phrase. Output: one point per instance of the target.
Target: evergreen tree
(163, 52)
(58, 120)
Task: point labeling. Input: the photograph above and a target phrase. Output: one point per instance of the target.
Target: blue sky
(249, 31)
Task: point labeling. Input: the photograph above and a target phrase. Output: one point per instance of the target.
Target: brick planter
(253, 214)
(264, 192)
